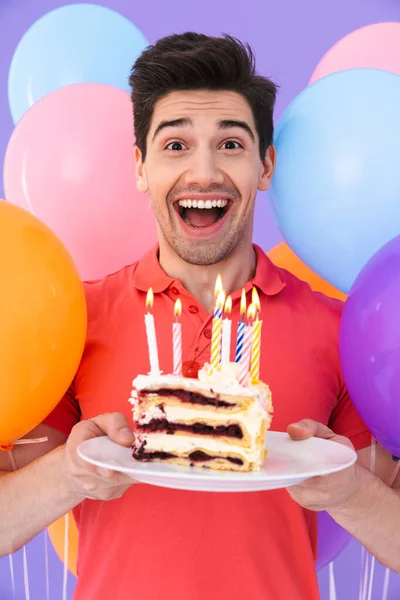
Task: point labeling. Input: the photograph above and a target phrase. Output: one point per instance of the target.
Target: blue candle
(241, 328)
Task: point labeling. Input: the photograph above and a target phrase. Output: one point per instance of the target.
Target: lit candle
(241, 328)
(255, 300)
(218, 287)
(217, 331)
(247, 343)
(151, 335)
(226, 332)
(256, 351)
(177, 338)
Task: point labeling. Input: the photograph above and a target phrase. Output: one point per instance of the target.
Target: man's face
(202, 171)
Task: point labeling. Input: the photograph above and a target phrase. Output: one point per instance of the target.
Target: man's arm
(46, 487)
(359, 501)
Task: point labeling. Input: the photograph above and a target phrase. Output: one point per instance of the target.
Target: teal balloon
(337, 179)
(79, 43)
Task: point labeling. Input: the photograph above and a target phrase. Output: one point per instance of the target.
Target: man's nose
(203, 169)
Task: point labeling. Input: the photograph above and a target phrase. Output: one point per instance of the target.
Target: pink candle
(247, 343)
(177, 338)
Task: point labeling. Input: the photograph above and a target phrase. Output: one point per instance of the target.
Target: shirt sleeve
(346, 421)
(66, 414)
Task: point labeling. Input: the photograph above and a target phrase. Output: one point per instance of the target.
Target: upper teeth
(203, 203)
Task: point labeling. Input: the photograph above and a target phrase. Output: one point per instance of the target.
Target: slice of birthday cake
(210, 421)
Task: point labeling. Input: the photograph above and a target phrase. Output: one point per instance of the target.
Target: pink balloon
(373, 47)
(70, 161)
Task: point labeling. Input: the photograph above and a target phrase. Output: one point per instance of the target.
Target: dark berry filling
(190, 397)
(197, 456)
(164, 425)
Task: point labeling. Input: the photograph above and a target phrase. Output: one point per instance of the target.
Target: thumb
(116, 427)
(307, 428)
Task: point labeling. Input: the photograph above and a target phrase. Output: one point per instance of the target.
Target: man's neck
(235, 271)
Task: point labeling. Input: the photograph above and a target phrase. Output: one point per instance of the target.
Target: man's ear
(268, 166)
(141, 177)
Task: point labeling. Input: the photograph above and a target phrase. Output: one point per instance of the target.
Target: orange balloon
(57, 536)
(42, 324)
(282, 256)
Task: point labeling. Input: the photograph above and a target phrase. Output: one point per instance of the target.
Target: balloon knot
(7, 447)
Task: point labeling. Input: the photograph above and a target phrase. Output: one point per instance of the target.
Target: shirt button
(175, 291)
(208, 333)
(193, 309)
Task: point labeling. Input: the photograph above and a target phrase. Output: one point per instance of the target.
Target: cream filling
(184, 445)
(251, 419)
(232, 387)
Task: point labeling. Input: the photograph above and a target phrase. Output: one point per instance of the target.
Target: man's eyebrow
(182, 122)
(230, 123)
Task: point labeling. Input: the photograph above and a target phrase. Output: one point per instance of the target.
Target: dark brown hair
(193, 61)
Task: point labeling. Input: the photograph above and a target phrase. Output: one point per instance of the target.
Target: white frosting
(224, 379)
(251, 419)
(183, 444)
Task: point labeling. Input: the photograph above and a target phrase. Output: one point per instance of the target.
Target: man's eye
(175, 146)
(231, 145)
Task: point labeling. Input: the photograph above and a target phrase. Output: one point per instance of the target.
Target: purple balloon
(370, 345)
(332, 540)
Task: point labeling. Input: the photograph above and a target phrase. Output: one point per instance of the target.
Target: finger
(116, 427)
(308, 428)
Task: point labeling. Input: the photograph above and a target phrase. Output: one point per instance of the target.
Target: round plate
(288, 462)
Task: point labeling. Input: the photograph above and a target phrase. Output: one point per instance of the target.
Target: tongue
(202, 217)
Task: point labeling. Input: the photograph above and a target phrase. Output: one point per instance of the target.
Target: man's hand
(329, 491)
(89, 481)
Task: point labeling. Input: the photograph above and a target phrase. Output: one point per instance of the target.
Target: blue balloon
(337, 178)
(79, 43)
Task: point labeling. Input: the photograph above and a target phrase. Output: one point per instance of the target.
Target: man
(204, 127)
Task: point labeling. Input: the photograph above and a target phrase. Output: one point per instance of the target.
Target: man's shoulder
(99, 292)
(302, 295)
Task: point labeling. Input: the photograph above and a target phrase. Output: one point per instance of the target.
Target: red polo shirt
(161, 544)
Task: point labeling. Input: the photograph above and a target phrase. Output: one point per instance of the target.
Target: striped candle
(226, 332)
(241, 328)
(177, 339)
(216, 335)
(255, 352)
(245, 360)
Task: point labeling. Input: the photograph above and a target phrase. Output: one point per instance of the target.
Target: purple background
(289, 38)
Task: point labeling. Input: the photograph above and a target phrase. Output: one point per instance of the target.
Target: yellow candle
(255, 351)
(217, 331)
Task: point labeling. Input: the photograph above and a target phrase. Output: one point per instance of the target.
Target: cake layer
(241, 427)
(185, 445)
(199, 459)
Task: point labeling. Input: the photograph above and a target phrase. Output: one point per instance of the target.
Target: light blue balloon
(79, 43)
(337, 179)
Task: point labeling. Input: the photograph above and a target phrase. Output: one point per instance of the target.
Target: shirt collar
(150, 274)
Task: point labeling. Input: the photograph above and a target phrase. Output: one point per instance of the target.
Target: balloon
(79, 43)
(70, 161)
(332, 540)
(283, 257)
(375, 46)
(43, 321)
(57, 536)
(369, 345)
(337, 178)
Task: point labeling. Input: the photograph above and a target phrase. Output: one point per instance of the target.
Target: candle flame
(178, 307)
(228, 305)
(251, 312)
(150, 298)
(255, 299)
(218, 286)
(243, 303)
(221, 299)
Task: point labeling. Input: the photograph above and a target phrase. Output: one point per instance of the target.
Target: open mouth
(202, 213)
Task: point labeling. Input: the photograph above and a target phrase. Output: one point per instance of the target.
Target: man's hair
(193, 61)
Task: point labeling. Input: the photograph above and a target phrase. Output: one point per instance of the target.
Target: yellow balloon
(57, 536)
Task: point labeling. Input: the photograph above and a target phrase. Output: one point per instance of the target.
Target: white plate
(288, 463)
